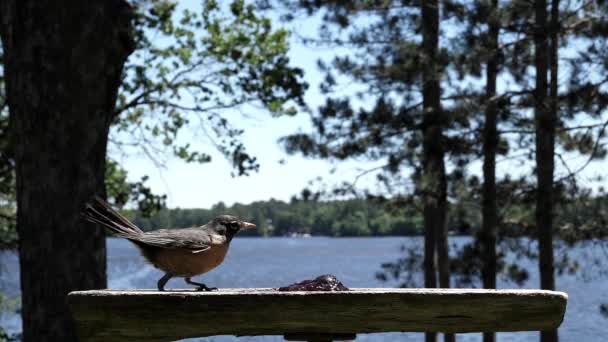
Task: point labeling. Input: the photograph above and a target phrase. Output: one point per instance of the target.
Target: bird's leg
(201, 286)
(162, 281)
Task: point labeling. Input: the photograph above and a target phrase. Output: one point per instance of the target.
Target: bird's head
(229, 226)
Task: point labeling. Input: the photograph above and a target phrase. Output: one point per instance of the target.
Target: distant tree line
(356, 217)
(132, 75)
(442, 84)
(369, 217)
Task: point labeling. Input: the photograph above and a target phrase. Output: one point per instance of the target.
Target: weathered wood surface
(110, 315)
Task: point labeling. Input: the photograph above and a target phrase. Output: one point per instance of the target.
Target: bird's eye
(233, 225)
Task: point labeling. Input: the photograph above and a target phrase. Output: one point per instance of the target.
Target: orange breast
(187, 264)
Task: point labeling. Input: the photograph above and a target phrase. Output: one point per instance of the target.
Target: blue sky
(201, 186)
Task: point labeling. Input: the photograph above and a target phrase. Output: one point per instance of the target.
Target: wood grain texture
(137, 315)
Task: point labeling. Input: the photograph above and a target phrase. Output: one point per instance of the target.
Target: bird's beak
(247, 225)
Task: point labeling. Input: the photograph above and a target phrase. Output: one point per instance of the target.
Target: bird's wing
(195, 239)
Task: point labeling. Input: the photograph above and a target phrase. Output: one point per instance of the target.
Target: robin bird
(184, 252)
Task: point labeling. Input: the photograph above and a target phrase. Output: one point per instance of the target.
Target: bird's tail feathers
(99, 211)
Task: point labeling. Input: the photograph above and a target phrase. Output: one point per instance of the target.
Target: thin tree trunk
(490, 145)
(63, 62)
(545, 121)
(443, 259)
(434, 182)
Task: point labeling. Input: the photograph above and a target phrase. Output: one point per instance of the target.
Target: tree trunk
(434, 182)
(490, 145)
(63, 62)
(545, 121)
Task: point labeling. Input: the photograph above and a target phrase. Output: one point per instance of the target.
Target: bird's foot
(203, 287)
(200, 286)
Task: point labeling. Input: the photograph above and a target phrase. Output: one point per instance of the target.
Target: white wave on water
(130, 279)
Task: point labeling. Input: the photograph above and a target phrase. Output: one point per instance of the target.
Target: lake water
(273, 262)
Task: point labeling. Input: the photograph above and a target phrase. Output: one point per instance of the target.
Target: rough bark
(490, 145)
(434, 182)
(63, 61)
(545, 121)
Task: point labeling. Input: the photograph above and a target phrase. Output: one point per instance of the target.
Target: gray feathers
(196, 239)
(99, 211)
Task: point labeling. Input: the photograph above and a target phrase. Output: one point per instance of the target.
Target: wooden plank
(110, 315)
